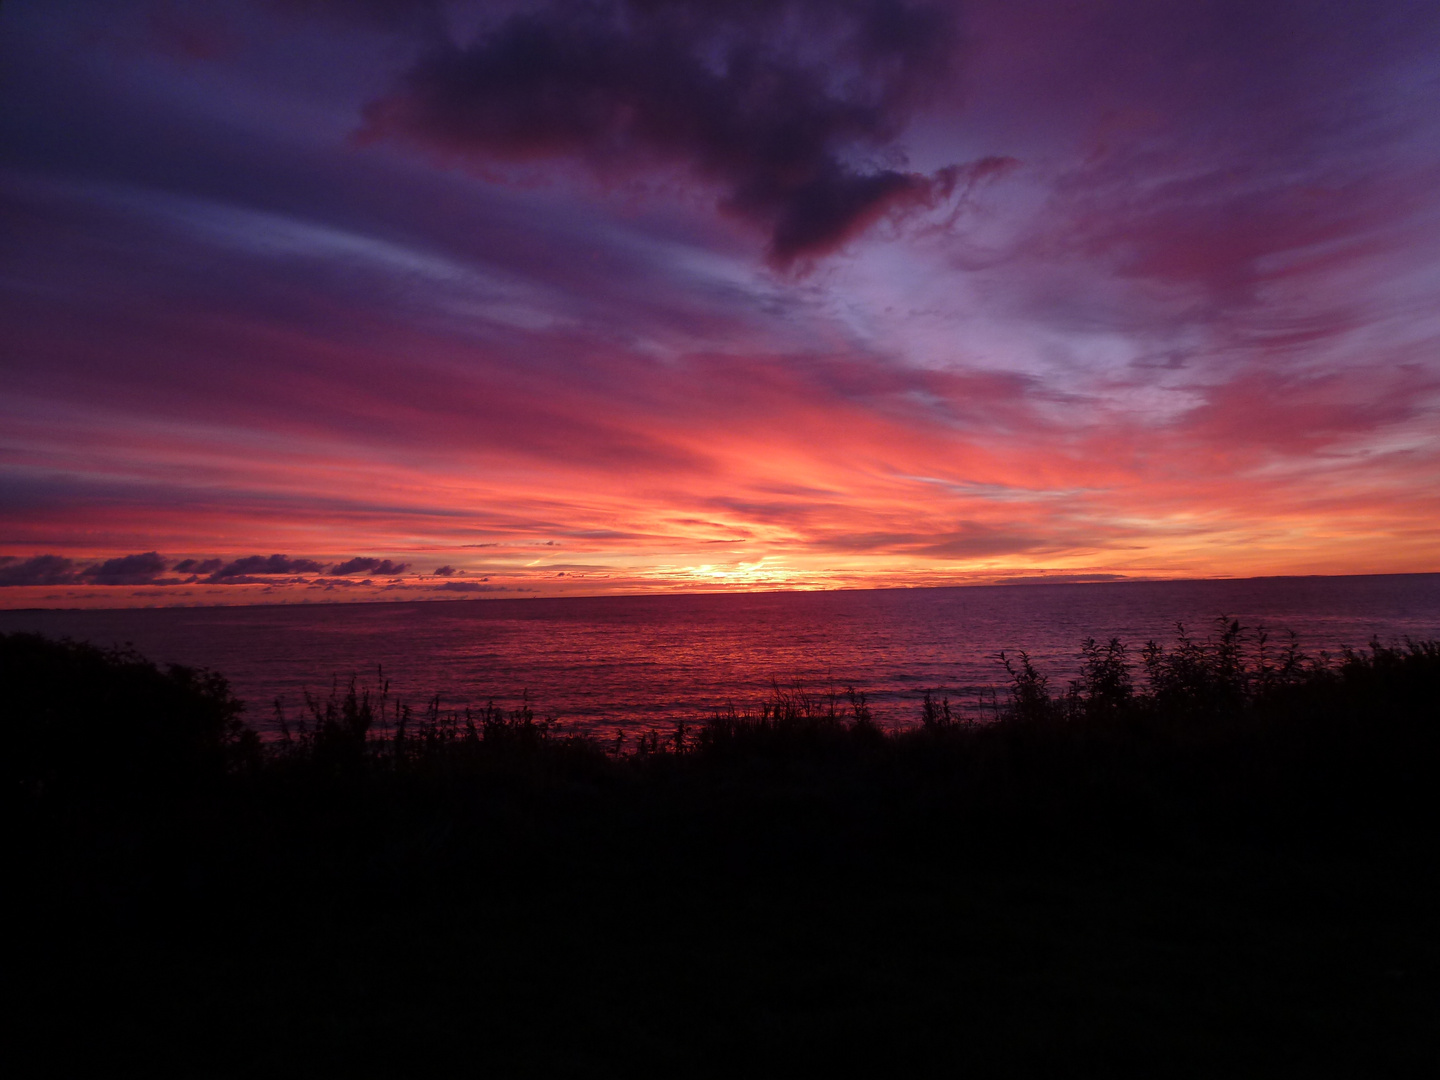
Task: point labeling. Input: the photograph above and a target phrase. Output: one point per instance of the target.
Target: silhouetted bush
(1029, 690)
(90, 719)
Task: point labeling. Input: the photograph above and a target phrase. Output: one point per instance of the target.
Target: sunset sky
(311, 300)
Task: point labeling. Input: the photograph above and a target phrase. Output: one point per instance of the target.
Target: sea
(628, 663)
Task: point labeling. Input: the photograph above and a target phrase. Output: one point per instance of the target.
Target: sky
(310, 300)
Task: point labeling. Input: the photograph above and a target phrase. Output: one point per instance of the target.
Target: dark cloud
(792, 107)
(40, 570)
(197, 566)
(362, 565)
(140, 569)
(232, 572)
(444, 571)
(470, 586)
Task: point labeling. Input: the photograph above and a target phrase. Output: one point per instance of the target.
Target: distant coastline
(1020, 581)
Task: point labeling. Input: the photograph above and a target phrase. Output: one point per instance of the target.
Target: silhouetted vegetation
(88, 721)
(1208, 856)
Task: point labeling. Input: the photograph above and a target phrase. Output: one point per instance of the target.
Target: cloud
(362, 565)
(470, 586)
(232, 572)
(39, 570)
(444, 571)
(1207, 296)
(197, 566)
(1204, 169)
(793, 109)
(140, 569)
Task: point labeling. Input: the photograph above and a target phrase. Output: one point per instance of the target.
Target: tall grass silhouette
(1220, 836)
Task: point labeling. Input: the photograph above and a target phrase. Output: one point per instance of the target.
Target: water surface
(629, 661)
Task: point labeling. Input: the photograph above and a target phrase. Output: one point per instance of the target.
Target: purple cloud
(793, 109)
(197, 566)
(363, 565)
(233, 572)
(39, 570)
(140, 569)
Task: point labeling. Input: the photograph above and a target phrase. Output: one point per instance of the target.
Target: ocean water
(628, 662)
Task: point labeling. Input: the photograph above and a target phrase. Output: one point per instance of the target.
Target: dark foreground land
(1203, 860)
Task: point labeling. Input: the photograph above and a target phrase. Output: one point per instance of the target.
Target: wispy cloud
(714, 295)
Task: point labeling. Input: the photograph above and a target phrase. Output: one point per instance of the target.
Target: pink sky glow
(581, 298)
